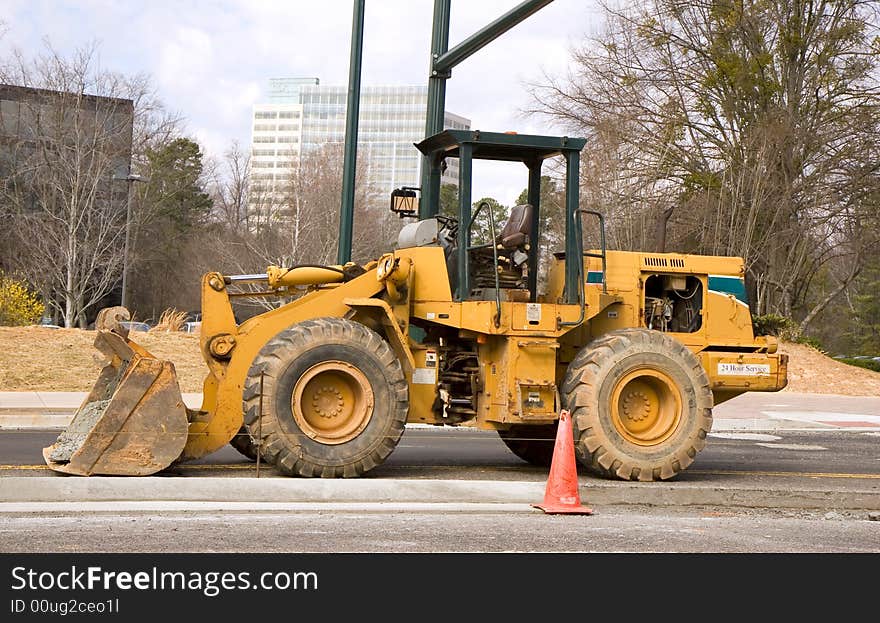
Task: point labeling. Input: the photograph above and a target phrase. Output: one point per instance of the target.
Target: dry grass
(40, 359)
(170, 320)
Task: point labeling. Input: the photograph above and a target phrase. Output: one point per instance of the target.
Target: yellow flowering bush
(18, 304)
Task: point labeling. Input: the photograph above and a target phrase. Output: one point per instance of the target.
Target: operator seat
(512, 244)
(518, 228)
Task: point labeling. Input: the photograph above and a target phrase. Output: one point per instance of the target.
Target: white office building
(302, 116)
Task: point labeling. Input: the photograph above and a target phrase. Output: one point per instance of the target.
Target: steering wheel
(448, 222)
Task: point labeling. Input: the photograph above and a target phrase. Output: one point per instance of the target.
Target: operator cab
(505, 268)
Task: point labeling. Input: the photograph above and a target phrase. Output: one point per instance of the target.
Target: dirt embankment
(65, 360)
(811, 371)
(38, 359)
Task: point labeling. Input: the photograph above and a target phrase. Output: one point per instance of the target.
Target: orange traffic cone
(561, 495)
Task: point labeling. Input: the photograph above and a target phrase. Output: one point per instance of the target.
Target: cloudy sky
(211, 59)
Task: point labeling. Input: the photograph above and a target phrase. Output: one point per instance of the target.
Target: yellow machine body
(521, 360)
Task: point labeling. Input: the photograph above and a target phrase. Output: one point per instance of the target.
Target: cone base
(563, 509)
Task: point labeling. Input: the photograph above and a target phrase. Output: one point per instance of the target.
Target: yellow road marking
(252, 466)
(723, 472)
(186, 467)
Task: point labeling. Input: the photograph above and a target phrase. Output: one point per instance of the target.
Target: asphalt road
(608, 530)
(463, 453)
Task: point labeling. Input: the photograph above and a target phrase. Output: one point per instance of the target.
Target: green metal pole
(465, 172)
(574, 259)
(534, 196)
(346, 215)
(429, 203)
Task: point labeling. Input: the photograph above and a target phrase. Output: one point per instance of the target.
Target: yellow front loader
(446, 330)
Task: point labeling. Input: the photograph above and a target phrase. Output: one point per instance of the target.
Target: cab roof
(499, 145)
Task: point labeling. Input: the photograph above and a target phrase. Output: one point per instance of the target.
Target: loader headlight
(385, 266)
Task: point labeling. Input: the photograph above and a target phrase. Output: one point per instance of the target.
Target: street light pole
(129, 179)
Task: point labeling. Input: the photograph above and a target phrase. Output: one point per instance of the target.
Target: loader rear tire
(640, 403)
(532, 443)
(244, 443)
(335, 399)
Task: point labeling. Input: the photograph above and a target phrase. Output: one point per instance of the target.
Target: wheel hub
(636, 406)
(646, 406)
(332, 402)
(328, 402)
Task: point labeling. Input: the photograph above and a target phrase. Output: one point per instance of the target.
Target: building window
(263, 114)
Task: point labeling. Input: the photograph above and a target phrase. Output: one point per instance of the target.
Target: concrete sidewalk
(59, 402)
(61, 494)
(754, 411)
(51, 410)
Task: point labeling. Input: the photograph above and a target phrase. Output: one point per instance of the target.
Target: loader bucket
(133, 422)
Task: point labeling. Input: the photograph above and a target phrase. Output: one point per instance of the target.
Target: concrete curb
(262, 507)
(49, 490)
(61, 402)
(35, 421)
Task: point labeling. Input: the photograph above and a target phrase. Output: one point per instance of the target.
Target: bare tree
(229, 181)
(292, 220)
(296, 220)
(732, 128)
(74, 128)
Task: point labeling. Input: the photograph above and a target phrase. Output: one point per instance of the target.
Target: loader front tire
(334, 402)
(532, 443)
(640, 403)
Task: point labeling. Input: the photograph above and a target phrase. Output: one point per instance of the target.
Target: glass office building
(302, 116)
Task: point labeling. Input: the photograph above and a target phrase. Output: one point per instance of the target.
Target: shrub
(870, 364)
(784, 328)
(772, 324)
(810, 341)
(19, 305)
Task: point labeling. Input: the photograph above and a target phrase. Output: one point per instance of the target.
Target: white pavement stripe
(746, 436)
(823, 417)
(791, 446)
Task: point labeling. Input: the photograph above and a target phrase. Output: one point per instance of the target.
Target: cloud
(185, 59)
(212, 59)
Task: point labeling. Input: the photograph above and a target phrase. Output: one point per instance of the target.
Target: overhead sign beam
(442, 62)
(486, 35)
